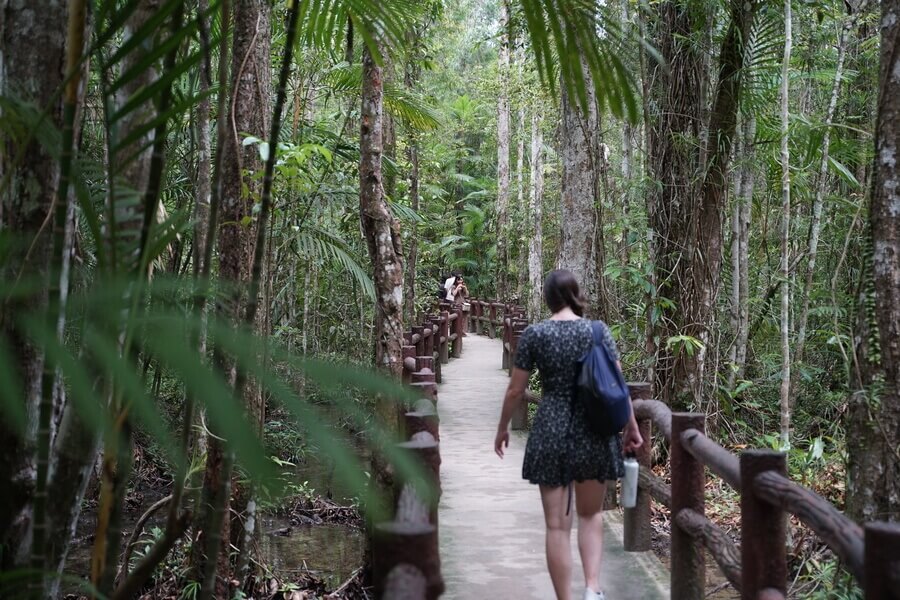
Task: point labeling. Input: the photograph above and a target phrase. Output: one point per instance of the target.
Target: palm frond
(403, 104)
(317, 243)
(567, 31)
(323, 23)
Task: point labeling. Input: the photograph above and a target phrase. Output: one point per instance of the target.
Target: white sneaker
(590, 594)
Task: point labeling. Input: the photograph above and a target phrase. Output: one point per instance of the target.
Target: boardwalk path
(492, 528)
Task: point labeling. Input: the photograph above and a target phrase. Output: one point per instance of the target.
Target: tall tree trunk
(578, 210)
(874, 420)
(32, 66)
(382, 234)
(503, 156)
(821, 187)
(536, 202)
(381, 230)
(687, 223)
(248, 114)
(673, 130)
(785, 235)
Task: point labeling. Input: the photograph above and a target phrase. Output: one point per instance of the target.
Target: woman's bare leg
(559, 528)
(589, 497)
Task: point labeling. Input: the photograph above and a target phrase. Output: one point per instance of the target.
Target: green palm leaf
(402, 103)
(316, 243)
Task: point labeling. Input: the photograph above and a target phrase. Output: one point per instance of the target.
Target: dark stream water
(332, 552)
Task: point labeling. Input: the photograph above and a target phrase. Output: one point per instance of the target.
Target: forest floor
(308, 545)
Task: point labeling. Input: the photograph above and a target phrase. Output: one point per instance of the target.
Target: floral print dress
(562, 447)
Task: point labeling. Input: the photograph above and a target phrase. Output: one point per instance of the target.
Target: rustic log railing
(405, 558)
(758, 568)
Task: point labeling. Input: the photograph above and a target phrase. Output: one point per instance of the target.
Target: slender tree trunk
(204, 163)
(734, 313)
(248, 114)
(821, 187)
(743, 206)
(412, 152)
(410, 77)
(874, 417)
(75, 444)
(627, 129)
(627, 173)
(521, 208)
(503, 156)
(785, 236)
(536, 201)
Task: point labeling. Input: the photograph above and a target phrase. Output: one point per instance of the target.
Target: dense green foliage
(123, 319)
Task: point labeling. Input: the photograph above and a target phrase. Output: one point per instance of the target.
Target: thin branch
(136, 534)
(135, 582)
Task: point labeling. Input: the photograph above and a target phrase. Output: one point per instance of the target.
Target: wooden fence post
(411, 537)
(479, 316)
(426, 389)
(507, 343)
(428, 332)
(425, 362)
(423, 376)
(408, 353)
(688, 561)
(492, 316)
(432, 345)
(422, 417)
(882, 561)
(459, 329)
(444, 337)
(763, 527)
(637, 530)
(420, 343)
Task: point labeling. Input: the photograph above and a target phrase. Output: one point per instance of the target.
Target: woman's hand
(501, 442)
(631, 437)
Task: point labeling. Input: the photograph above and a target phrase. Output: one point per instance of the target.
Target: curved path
(492, 528)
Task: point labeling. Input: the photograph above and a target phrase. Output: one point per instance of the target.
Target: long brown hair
(561, 290)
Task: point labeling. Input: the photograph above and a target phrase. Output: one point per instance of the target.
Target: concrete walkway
(491, 522)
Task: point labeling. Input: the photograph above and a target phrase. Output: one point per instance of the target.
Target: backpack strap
(597, 331)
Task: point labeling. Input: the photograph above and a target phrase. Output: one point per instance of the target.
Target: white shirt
(448, 285)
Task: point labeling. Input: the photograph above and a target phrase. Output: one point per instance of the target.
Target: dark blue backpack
(602, 389)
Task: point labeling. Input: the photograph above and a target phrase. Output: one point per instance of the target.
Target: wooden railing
(405, 557)
(758, 569)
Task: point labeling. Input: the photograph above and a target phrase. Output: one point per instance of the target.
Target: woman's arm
(631, 436)
(515, 393)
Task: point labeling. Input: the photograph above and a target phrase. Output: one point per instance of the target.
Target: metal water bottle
(629, 482)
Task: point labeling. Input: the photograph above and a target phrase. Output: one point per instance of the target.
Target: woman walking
(563, 453)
